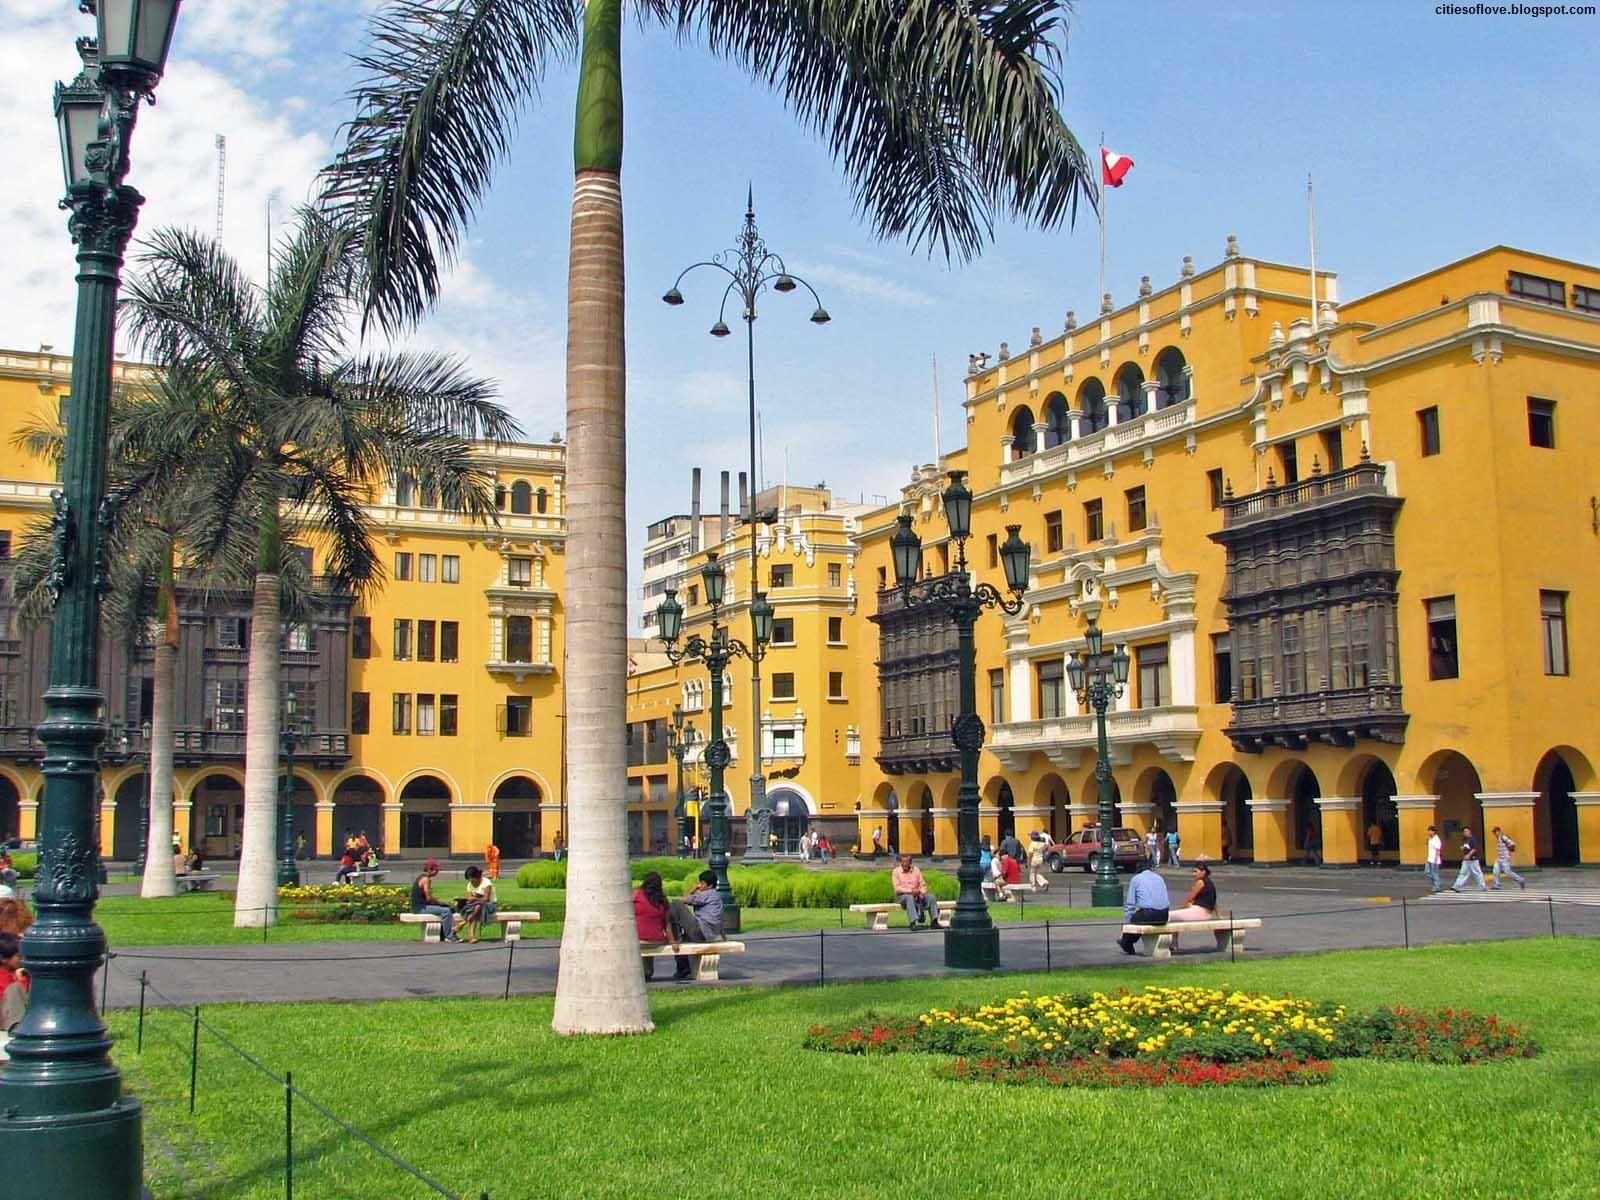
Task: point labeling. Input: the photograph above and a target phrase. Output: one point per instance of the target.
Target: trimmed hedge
(545, 873)
(24, 864)
(779, 885)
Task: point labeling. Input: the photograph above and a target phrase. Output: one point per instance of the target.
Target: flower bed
(1185, 1036)
(360, 903)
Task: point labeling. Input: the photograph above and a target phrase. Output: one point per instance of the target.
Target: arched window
(405, 490)
(541, 500)
(521, 498)
(1173, 378)
(1130, 392)
(1092, 404)
(1056, 426)
(1021, 432)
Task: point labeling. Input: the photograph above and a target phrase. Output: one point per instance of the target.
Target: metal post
(288, 1135)
(288, 871)
(1405, 921)
(511, 953)
(105, 979)
(62, 1108)
(716, 756)
(1232, 955)
(144, 818)
(1107, 892)
(194, 1058)
(822, 957)
(143, 983)
(1047, 966)
(1551, 901)
(971, 941)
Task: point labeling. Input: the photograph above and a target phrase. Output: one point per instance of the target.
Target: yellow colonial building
(1352, 552)
(429, 716)
(809, 735)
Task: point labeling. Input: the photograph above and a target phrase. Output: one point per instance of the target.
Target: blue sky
(1430, 137)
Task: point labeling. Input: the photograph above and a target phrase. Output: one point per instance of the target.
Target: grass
(206, 919)
(722, 1102)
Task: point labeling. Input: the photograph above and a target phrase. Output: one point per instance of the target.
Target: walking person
(1471, 866)
(1374, 842)
(1152, 845)
(1037, 849)
(1503, 846)
(1435, 858)
(1172, 848)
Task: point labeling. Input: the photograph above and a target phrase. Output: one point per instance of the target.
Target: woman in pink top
(650, 919)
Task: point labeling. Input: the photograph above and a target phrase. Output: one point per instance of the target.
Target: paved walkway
(1295, 922)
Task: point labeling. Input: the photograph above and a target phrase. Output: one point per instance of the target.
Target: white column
(1039, 428)
(1075, 423)
(1152, 389)
(1181, 666)
(1020, 672)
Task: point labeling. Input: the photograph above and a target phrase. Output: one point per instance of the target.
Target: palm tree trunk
(158, 869)
(600, 988)
(257, 900)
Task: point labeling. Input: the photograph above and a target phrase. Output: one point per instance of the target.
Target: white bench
(375, 876)
(1159, 941)
(878, 914)
(196, 881)
(433, 926)
(706, 954)
(991, 889)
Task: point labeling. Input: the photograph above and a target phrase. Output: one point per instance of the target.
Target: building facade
(429, 714)
(1352, 556)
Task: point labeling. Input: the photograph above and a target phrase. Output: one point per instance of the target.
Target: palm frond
(943, 113)
(308, 296)
(190, 301)
(45, 440)
(444, 82)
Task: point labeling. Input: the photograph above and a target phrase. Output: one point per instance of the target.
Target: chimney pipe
(723, 532)
(694, 512)
(744, 498)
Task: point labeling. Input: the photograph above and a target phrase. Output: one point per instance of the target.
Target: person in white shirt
(1435, 858)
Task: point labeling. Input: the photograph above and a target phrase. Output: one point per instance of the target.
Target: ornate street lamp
(751, 268)
(716, 652)
(289, 736)
(678, 735)
(972, 940)
(1098, 679)
(62, 1111)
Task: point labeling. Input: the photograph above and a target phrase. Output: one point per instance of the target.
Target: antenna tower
(222, 177)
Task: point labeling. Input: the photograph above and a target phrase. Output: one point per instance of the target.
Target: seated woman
(651, 920)
(197, 862)
(1201, 902)
(479, 904)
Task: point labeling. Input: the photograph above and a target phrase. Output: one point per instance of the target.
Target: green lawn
(205, 918)
(722, 1102)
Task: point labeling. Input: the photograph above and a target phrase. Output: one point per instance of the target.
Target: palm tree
(140, 545)
(277, 424)
(943, 114)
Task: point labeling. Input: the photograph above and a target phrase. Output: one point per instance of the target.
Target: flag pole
(1311, 231)
(1103, 193)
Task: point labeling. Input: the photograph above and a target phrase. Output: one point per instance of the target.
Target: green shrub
(542, 874)
(25, 865)
(944, 887)
(667, 868)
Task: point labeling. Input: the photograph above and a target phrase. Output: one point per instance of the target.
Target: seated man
(1147, 903)
(697, 917)
(180, 860)
(423, 900)
(911, 892)
(8, 872)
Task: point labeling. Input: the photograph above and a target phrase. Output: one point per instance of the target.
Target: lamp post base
(1106, 893)
(288, 875)
(730, 918)
(99, 1153)
(758, 835)
(972, 949)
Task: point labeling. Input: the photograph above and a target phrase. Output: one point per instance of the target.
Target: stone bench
(1159, 941)
(706, 955)
(196, 881)
(433, 927)
(373, 876)
(878, 914)
(991, 889)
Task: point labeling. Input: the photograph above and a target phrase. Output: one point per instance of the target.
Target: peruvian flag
(1113, 167)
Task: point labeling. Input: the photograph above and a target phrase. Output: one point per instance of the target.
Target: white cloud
(174, 165)
(871, 286)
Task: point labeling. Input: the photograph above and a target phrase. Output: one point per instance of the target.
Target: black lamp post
(678, 745)
(62, 1111)
(716, 652)
(750, 268)
(1098, 678)
(972, 939)
(289, 736)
